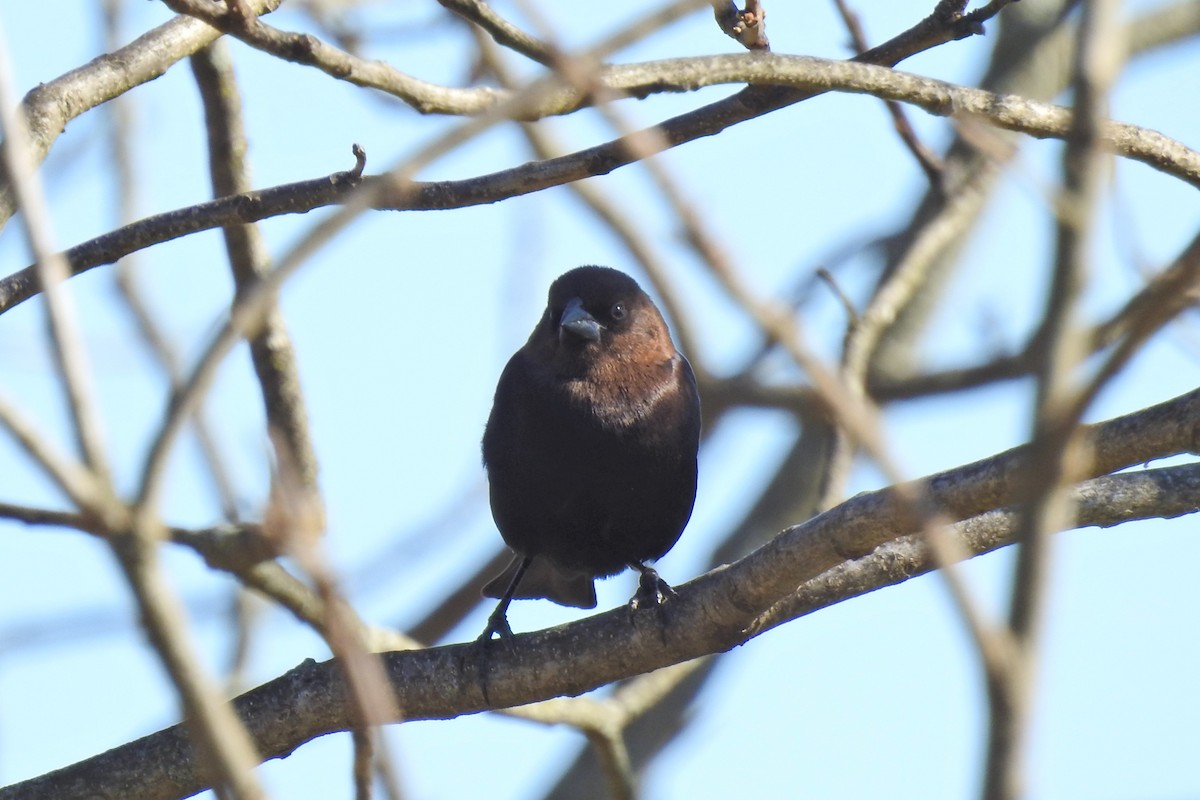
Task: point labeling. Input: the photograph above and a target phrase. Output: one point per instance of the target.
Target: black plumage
(591, 445)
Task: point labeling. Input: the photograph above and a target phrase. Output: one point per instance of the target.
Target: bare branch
(907, 557)
(306, 49)
(713, 613)
(747, 26)
(75, 480)
(227, 754)
(240, 550)
(51, 105)
(62, 328)
(1026, 116)
(271, 348)
(503, 32)
(1058, 450)
(928, 162)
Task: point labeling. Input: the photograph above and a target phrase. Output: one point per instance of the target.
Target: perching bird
(591, 445)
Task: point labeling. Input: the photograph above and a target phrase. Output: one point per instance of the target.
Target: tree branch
(271, 348)
(717, 611)
(1041, 120)
(51, 105)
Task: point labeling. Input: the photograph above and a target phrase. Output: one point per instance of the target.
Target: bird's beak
(575, 319)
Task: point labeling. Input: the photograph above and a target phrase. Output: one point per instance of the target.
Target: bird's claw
(652, 591)
(497, 626)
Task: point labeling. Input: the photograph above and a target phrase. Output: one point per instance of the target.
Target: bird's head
(598, 318)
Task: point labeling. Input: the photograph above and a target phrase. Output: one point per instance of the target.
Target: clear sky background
(402, 325)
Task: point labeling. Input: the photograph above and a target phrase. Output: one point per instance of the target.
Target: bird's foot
(498, 621)
(497, 626)
(652, 590)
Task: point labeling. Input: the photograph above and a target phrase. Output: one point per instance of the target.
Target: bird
(590, 447)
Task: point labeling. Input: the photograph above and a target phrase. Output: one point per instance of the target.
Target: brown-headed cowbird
(590, 448)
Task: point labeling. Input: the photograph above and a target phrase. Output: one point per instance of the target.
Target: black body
(591, 444)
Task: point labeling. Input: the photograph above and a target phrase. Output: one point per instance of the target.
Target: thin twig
(1030, 117)
(1009, 112)
(76, 481)
(271, 349)
(66, 342)
(1058, 447)
(295, 519)
(226, 749)
(51, 105)
(225, 746)
(930, 164)
(747, 26)
(639, 247)
(240, 550)
(425, 97)
(503, 32)
(894, 292)
(122, 136)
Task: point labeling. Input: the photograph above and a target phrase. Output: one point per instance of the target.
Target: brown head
(604, 338)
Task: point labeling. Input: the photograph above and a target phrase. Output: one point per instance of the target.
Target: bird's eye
(617, 311)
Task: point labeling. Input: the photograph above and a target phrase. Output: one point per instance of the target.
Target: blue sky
(402, 325)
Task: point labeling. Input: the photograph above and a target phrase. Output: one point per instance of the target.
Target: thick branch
(715, 612)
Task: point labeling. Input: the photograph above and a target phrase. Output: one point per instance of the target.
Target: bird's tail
(547, 580)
